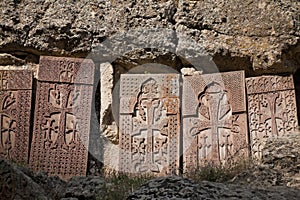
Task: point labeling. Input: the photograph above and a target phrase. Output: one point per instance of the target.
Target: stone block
(15, 107)
(62, 116)
(214, 118)
(149, 123)
(272, 109)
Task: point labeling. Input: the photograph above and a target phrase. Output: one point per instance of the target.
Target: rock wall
(279, 165)
(258, 36)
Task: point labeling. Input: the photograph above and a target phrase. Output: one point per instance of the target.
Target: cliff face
(258, 36)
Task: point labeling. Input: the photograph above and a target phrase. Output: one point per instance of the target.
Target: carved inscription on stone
(15, 104)
(214, 118)
(149, 123)
(271, 108)
(62, 116)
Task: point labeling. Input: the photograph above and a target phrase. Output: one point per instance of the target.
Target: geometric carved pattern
(271, 109)
(214, 118)
(149, 123)
(15, 104)
(62, 117)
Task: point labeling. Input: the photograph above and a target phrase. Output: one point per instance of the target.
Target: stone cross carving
(8, 125)
(214, 107)
(214, 118)
(66, 71)
(62, 116)
(3, 80)
(149, 123)
(63, 101)
(148, 107)
(15, 104)
(271, 109)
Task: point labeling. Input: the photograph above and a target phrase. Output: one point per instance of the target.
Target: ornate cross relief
(149, 124)
(215, 114)
(4, 78)
(8, 125)
(271, 109)
(62, 117)
(15, 104)
(214, 118)
(60, 127)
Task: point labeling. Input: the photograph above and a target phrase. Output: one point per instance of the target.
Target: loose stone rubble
(175, 187)
(17, 182)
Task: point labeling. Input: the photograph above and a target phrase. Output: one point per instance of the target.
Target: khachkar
(214, 118)
(271, 109)
(149, 123)
(15, 99)
(62, 116)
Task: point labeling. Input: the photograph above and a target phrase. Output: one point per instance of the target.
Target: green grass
(218, 173)
(119, 186)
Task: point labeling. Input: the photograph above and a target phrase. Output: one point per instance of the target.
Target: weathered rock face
(15, 184)
(251, 35)
(20, 183)
(283, 154)
(181, 188)
(279, 164)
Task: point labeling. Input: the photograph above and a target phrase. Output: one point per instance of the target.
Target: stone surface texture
(214, 118)
(181, 188)
(278, 166)
(62, 116)
(14, 184)
(283, 154)
(251, 35)
(272, 109)
(17, 182)
(108, 127)
(15, 108)
(149, 123)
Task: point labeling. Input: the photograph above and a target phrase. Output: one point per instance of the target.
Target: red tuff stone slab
(214, 118)
(62, 116)
(149, 123)
(66, 70)
(271, 108)
(15, 99)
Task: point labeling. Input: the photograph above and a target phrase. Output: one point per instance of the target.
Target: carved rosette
(214, 122)
(15, 104)
(149, 124)
(271, 109)
(62, 117)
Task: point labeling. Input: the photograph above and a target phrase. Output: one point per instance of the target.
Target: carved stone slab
(15, 99)
(149, 123)
(214, 118)
(271, 108)
(62, 116)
